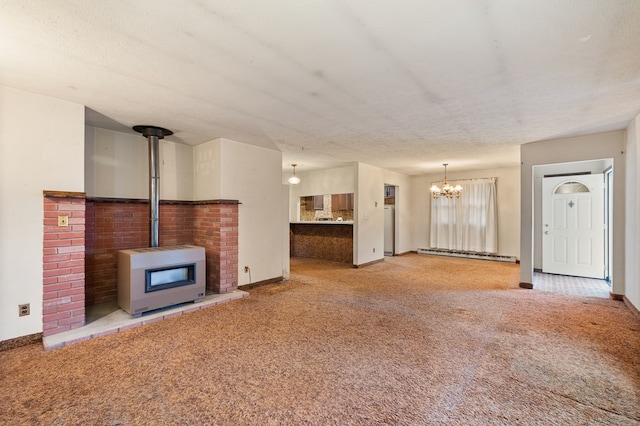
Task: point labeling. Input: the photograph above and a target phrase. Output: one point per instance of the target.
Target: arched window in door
(570, 188)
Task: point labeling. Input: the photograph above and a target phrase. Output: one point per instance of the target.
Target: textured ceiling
(404, 85)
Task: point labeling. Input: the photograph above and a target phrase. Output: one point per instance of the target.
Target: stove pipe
(153, 134)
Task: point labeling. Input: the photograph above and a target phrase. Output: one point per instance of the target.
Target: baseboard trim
(261, 283)
(618, 297)
(630, 305)
(17, 342)
(373, 262)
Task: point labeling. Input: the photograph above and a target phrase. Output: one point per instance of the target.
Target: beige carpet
(415, 340)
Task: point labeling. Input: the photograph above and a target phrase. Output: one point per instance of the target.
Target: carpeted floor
(415, 340)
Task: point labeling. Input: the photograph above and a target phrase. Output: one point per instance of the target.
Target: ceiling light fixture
(294, 180)
(447, 190)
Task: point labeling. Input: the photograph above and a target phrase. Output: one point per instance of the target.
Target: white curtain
(468, 223)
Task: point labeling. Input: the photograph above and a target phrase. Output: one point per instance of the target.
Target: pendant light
(294, 180)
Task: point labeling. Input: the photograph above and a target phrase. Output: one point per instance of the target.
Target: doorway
(572, 171)
(390, 220)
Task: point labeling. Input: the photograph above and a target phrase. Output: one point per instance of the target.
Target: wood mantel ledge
(64, 194)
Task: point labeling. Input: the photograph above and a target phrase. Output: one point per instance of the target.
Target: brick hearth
(81, 261)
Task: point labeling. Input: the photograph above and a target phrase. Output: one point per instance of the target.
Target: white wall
(610, 145)
(369, 213)
(252, 175)
(117, 166)
(176, 171)
(632, 230)
(284, 224)
(206, 180)
(508, 193)
(41, 148)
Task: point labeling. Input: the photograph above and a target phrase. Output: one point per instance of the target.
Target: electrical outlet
(246, 269)
(63, 220)
(374, 249)
(24, 309)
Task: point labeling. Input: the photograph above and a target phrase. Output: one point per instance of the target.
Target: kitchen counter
(323, 222)
(321, 240)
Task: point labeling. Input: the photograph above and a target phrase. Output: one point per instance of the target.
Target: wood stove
(156, 277)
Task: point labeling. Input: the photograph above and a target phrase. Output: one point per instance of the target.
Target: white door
(573, 225)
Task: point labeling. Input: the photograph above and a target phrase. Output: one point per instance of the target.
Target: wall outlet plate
(63, 220)
(24, 309)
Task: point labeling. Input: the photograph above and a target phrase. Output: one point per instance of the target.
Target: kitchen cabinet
(389, 191)
(306, 203)
(341, 202)
(318, 202)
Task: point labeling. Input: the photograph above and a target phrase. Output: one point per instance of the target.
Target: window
(468, 223)
(570, 188)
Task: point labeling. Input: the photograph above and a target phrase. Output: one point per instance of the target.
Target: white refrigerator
(389, 230)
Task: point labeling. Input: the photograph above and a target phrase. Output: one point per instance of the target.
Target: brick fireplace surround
(80, 261)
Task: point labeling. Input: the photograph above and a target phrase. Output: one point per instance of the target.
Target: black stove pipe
(153, 135)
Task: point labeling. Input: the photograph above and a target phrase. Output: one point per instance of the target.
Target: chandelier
(294, 180)
(447, 190)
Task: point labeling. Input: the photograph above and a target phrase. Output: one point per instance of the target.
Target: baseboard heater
(468, 255)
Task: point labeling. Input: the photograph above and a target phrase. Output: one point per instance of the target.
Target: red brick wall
(63, 260)
(116, 225)
(228, 271)
(216, 229)
(176, 224)
(111, 226)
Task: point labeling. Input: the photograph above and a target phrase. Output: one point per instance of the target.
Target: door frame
(396, 226)
(608, 215)
(567, 168)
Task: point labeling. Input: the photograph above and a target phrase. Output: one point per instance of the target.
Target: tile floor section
(579, 286)
(108, 318)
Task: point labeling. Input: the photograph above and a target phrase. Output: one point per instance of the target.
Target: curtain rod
(471, 179)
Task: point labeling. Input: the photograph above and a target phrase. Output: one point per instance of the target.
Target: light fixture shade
(294, 180)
